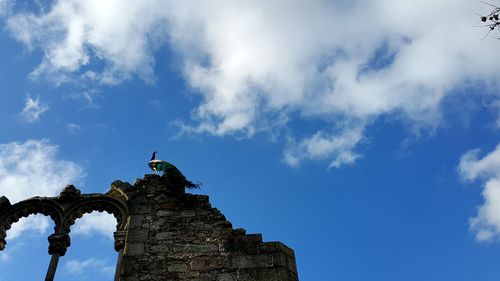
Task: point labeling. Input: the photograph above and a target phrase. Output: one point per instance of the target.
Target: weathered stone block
(177, 267)
(134, 249)
(168, 235)
(192, 248)
(140, 235)
(267, 274)
(136, 221)
(227, 277)
(262, 260)
(206, 263)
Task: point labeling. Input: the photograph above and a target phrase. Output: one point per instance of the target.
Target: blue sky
(362, 134)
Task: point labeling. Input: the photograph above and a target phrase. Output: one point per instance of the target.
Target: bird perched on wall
(171, 172)
(154, 162)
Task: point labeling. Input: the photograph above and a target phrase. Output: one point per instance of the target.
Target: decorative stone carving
(22, 209)
(4, 203)
(70, 193)
(58, 244)
(63, 210)
(95, 203)
(120, 240)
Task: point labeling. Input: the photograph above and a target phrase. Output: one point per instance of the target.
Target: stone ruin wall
(174, 235)
(167, 234)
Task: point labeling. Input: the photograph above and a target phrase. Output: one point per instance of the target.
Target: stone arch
(64, 210)
(14, 213)
(100, 203)
(106, 204)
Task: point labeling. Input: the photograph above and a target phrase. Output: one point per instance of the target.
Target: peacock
(173, 175)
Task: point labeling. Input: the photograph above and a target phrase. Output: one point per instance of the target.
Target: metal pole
(119, 265)
(51, 271)
(120, 237)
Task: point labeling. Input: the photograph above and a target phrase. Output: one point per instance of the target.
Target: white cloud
(77, 268)
(73, 128)
(5, 6)
(87, 97)
(486, 224)
(487, 167)
(73, 34)
(100, 223)
(32, 110)
(4, 257)
(254, 60)
(339, 146)
(32, 169)
(37, 223)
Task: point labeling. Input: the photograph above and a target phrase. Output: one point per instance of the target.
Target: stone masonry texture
(178, 236)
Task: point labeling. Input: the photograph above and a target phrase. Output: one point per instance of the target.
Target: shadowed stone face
(174, 235)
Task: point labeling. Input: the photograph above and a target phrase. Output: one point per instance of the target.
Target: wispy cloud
(80, 268)
(4, 257)
(340, 146)
(486, 224)
(33, 109)
(155, 104)
(88, 97)
(4, 7)
(32, 168)
(36, 223)
(11, 252)
(95, 223)
(73, 128)
(251, 61)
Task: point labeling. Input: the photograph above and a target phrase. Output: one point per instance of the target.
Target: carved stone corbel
(58, 244)
(120, 237)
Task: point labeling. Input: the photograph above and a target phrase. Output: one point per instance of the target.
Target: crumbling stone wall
(173, 235)
(162, 233)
